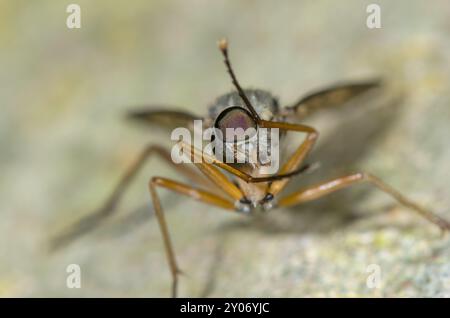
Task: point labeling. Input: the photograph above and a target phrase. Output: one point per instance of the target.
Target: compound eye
(236, 124)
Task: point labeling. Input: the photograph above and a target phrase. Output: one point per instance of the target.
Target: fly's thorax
(265, 104)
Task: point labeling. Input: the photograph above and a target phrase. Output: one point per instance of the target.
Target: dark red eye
(235, 118)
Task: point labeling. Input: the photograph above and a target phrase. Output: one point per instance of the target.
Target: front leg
(298, 157)
(200, 195)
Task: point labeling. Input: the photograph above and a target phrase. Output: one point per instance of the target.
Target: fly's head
(237, 137)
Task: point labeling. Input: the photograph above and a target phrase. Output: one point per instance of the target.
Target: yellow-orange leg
(290, 171)
(108, 208)
(328, 187)
(298, 156)
(187, 190)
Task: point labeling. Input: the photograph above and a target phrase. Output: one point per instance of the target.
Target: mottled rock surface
(64, 144)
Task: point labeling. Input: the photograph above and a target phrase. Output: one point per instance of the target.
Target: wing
(329, 97)
(163, 118)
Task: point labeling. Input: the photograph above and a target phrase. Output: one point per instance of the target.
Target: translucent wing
(163, 118)
(329, 97)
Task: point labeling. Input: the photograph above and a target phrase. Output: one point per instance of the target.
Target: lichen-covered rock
(64, 145)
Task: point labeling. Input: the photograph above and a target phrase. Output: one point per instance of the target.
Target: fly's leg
(108, 208)
(320, 190)
(197, 194)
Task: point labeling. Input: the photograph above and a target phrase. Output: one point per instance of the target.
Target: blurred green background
(64, 144)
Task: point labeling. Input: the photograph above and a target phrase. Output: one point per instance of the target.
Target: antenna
(223, 46)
